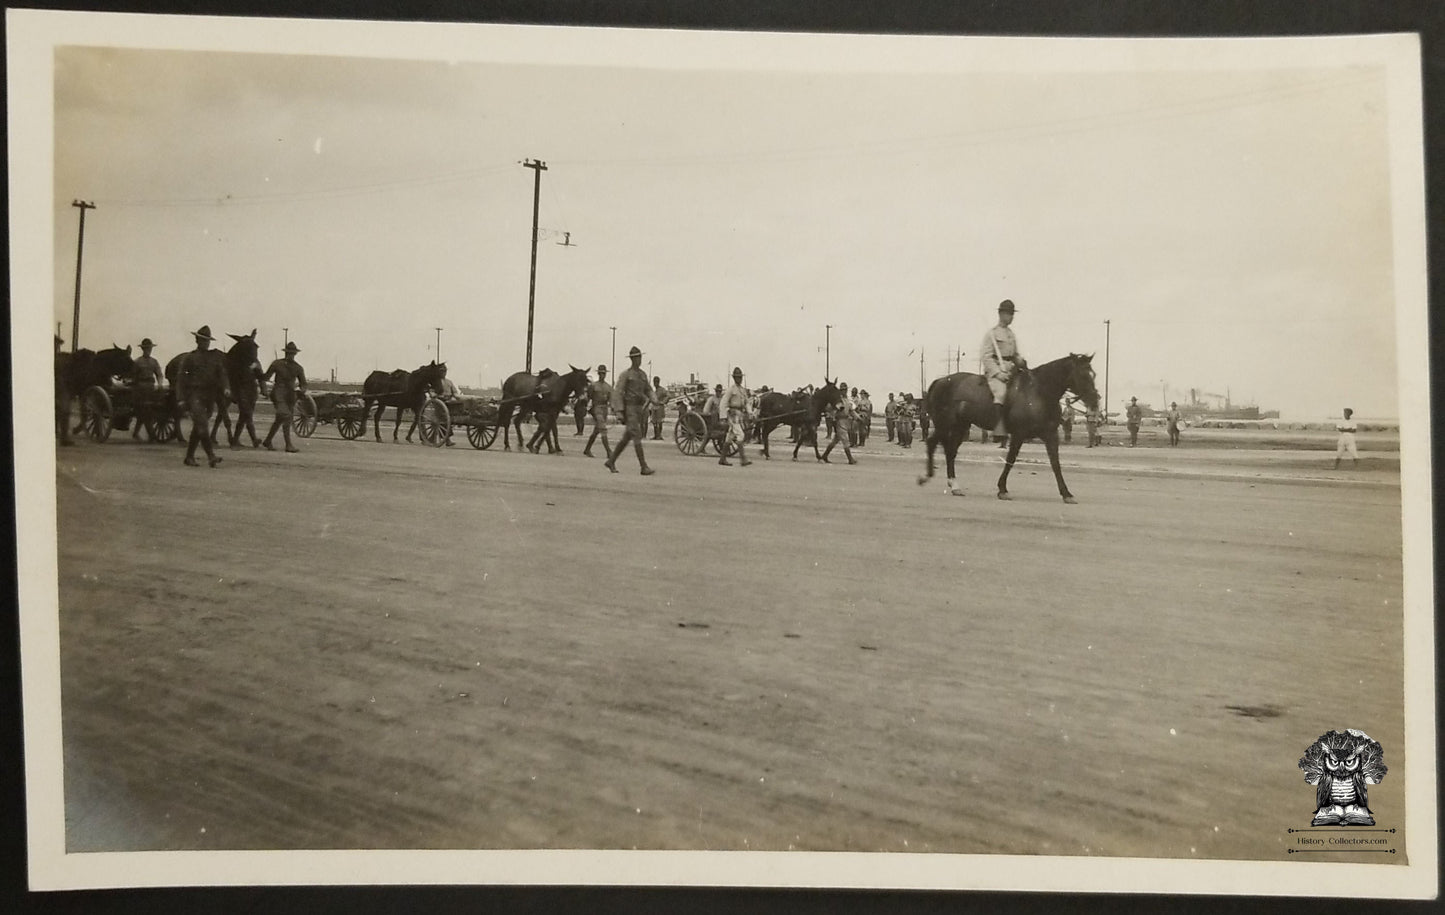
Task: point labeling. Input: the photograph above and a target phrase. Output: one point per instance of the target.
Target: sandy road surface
(377, 646)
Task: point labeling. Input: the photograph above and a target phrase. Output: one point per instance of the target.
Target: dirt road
(391, 646)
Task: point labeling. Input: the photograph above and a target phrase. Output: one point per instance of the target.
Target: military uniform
(290, 382)
(634, 397)
(599, 399)
(735, 403)
(201, 383)
(843, 416)
(1132, 417)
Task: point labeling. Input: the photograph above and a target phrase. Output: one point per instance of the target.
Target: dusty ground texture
(392, 646)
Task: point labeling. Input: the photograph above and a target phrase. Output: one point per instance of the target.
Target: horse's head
(113, 361)
(1081, 379)
(244, 349)
(431, 375)
(576, 381)
(829, 395)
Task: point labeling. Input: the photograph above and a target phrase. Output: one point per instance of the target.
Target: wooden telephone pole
(79, 256)
(537, 167)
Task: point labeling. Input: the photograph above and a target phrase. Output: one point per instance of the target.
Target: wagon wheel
(690, 434)
(96, 413)
(164, 426)
(350, 412)
(435, 423)
(304, 418)
(482, 434)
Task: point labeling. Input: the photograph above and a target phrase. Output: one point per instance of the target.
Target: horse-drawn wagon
(695, 430)
(480, 416)
(344, 409)
(116, 406)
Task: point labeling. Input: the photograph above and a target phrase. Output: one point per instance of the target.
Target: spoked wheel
(303, 420)
(690, 434)
(163, 427)
(481, 435)
(96, 414)
(350, 418)
(435, 423)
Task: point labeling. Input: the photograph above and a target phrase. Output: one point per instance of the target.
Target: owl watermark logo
(1340, 766)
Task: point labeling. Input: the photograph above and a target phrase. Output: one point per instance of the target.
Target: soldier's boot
(612, 455)
(829, 450)
(637, 446)
(270, 434)
(191, 448)
(849, 453)
(286, 434)
(743, 456)
(587, 451)
(724, 460)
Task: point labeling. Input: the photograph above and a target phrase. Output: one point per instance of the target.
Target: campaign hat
(1006, 305)
(148, 342)
(634, 352)
(602, 370)
(204, 333)
(291, 347)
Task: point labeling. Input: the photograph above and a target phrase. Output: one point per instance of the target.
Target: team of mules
(541, 396)
(400, 389)
(960, 400)
(800, 411)
(74, 372)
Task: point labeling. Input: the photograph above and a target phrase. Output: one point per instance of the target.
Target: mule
(82, 369)
(800, 411)
(542, 396)
(400, 389)
(956, 402)
(243, 372)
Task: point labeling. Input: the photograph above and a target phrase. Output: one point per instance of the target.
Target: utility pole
(827, 349)
(285, 335)
(79, 254)
(612, 366)
(922, 378)
(1106, 370)
(439, 345)
(537, 167)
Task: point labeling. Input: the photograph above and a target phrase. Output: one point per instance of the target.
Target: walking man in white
(735, 402)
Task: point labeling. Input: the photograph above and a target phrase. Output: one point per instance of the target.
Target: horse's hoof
(1004, 496)
(1070, 500)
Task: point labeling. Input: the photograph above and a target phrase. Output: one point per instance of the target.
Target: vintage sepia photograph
(521, 455)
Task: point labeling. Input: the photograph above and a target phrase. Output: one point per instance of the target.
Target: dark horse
(74, 372)
(243, 371)
(543, 395)
(800, 411)
(403, 390)
(957, 401)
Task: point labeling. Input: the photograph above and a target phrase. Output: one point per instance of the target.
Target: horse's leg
(765, 431)
(556, 441)
(376, 421)
(801, 432)
(928, 461)
(950, 454)
(1051, 444)
(251, 425)
(1015, 442)
(396, 429)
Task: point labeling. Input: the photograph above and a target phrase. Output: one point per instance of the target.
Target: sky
(1226, 230)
